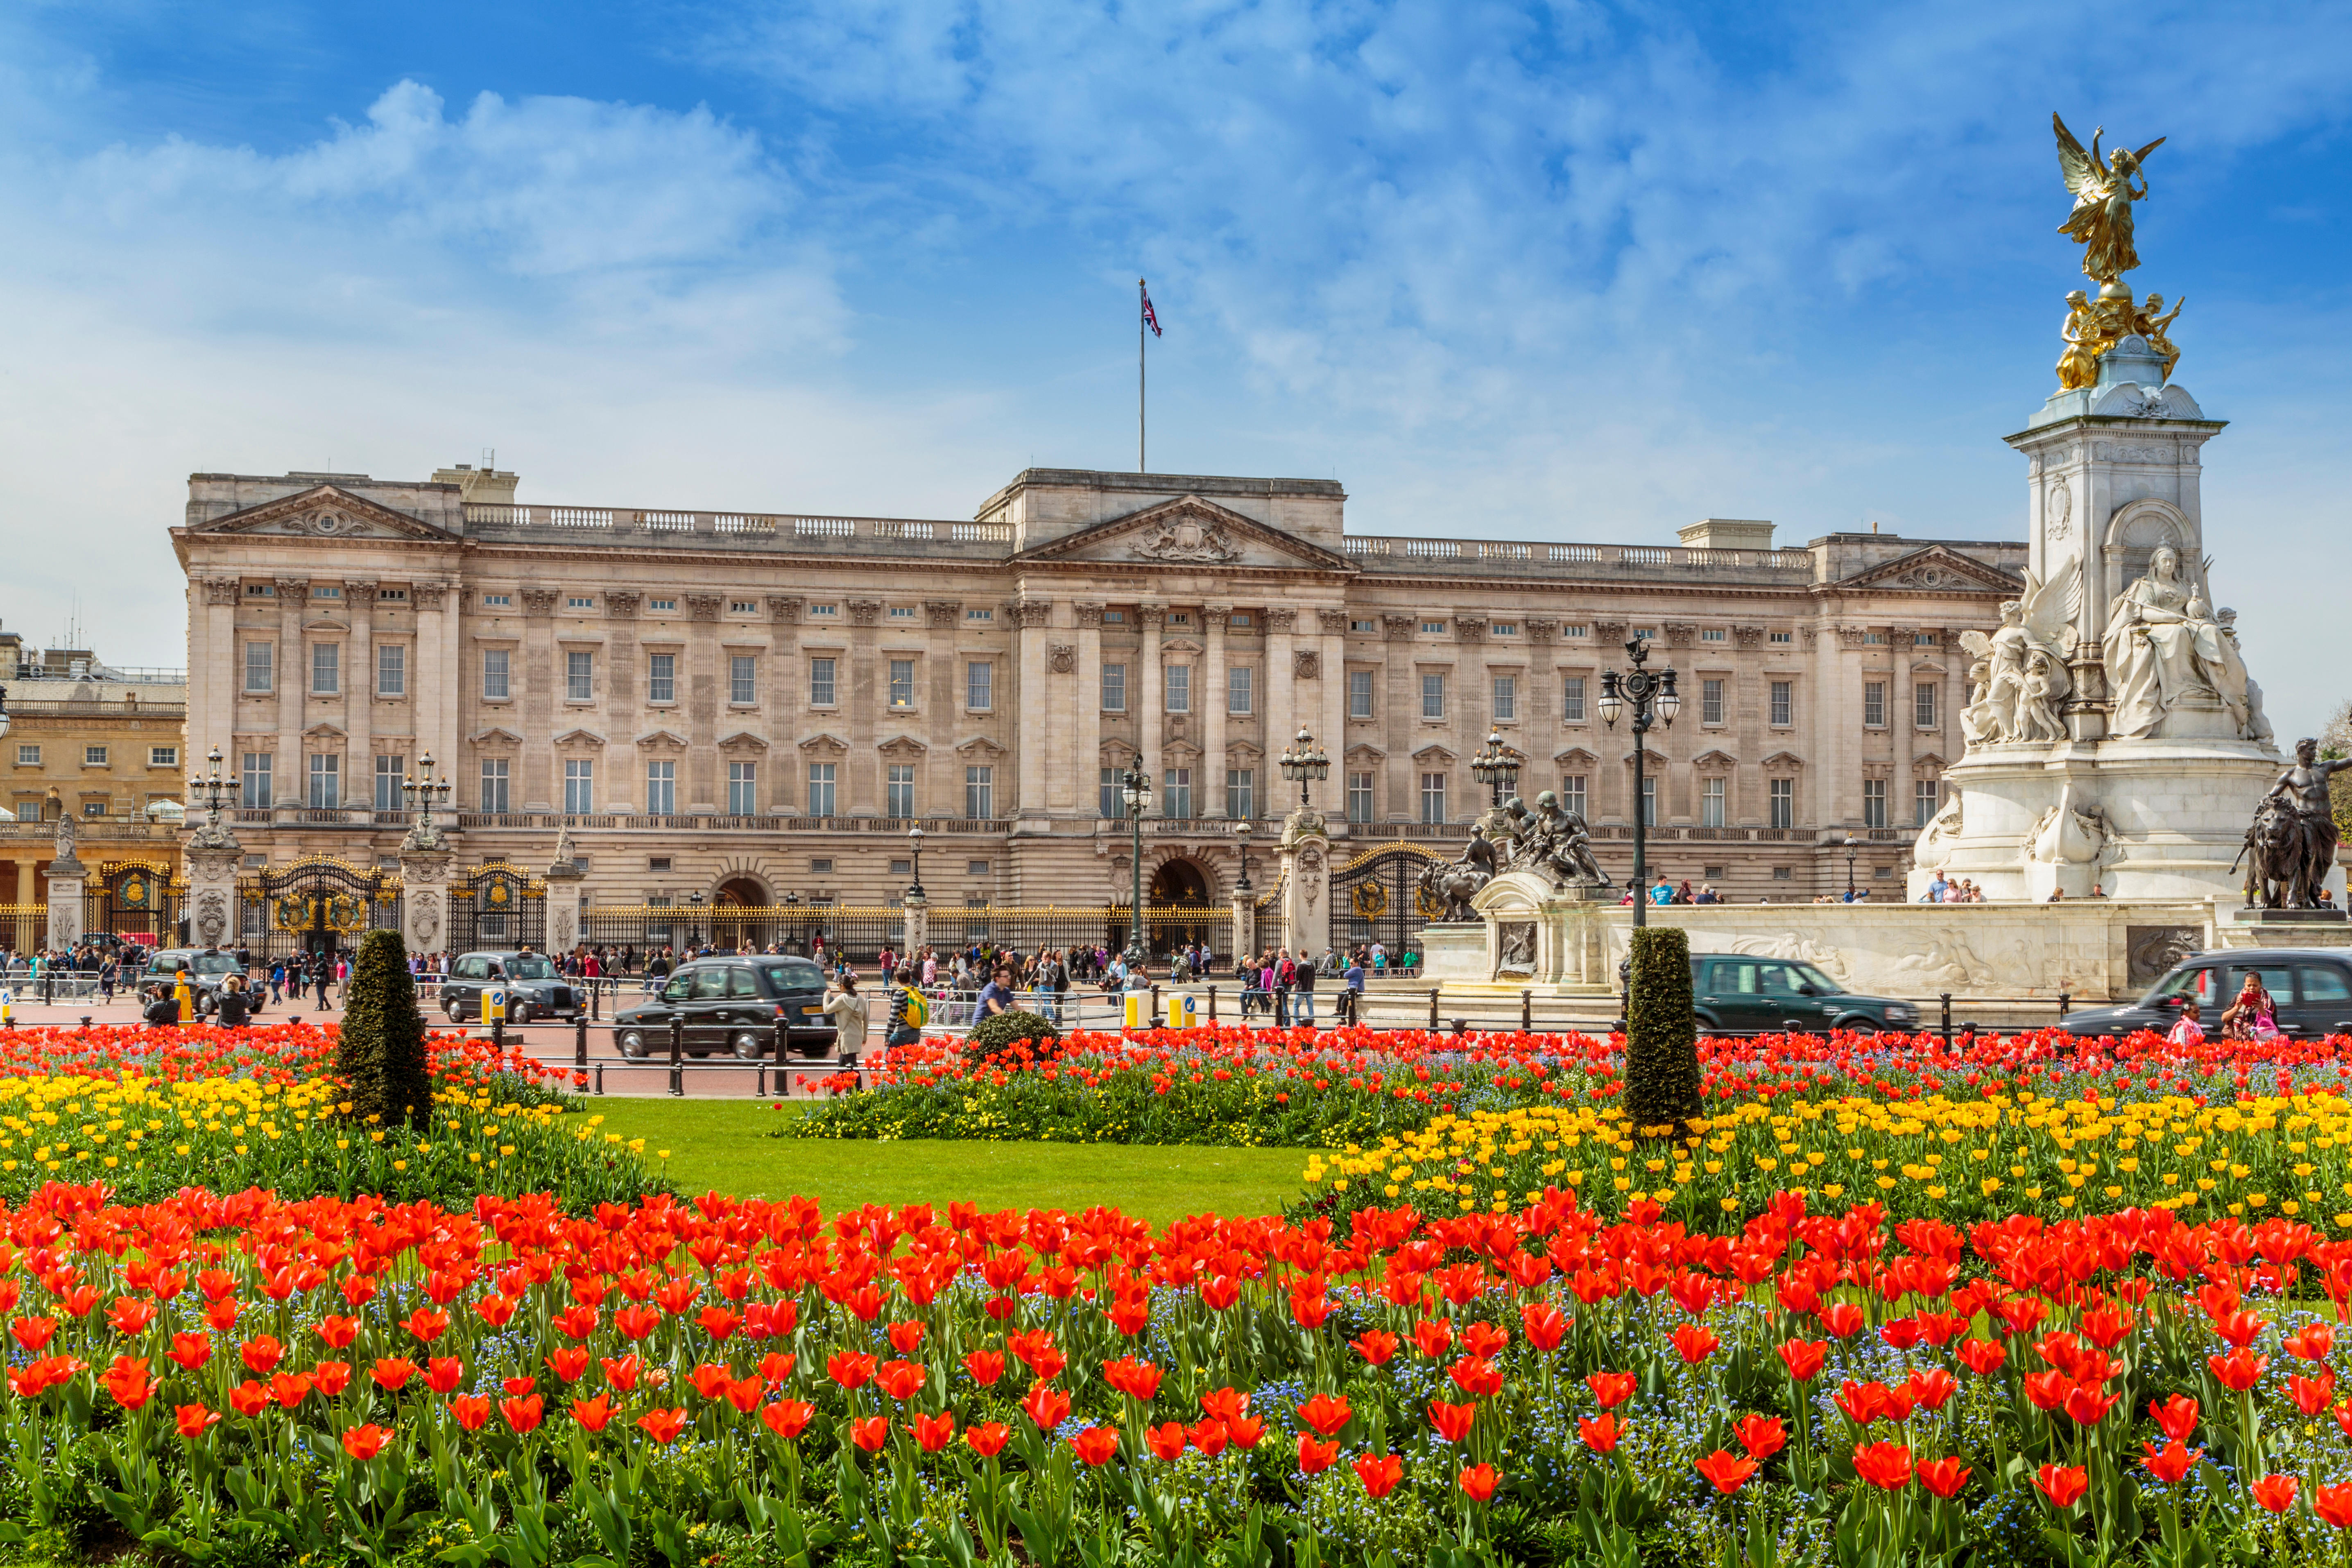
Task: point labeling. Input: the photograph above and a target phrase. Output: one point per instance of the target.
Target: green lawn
(725, 1144)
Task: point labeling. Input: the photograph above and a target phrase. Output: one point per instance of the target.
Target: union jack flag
(1151, 317)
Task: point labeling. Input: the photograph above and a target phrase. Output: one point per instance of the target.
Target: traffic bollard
(676, 1057)
(783, 1042)
(1433, 1009)
(499, 1036)
(1212, 1003)
(1946, 999)
(1526, 1012)
(580, 1042)
(2063, 1001)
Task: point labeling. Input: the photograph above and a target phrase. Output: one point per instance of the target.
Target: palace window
(1784, 803)
(1359, 694)
(661, 788)
(661, 678)
(579, 785)
(1114, 688)
(980, 792)
(1877, 637)
(1874, 803)
(1780, 637)
(1360, 797)
(1176, 793)
(1783, 700)
(28, 756)
(1923, 639)
(391, 669)
(497, 600)
(1926, 799)
(1238, 692)
(579, 676)
(1650, 801)
(902, 612)
(326, 781)
(820, 790)
(828, 611)
(392, 596)
(1433, 798)
(162, 756)
(494, 784)
(1710, 701)
(1873, 704)
(1710, 634)
(742, 606)
(1180, 687)
(1114, 618)
(1507, 698)
(1711, 802)
(743, 678)
(902, 683)
(980, 614)
(388, 772)
(898, 790)
(260, 591)
(1648, 634)
(1922, 705)
(979, 685)
(1355, 626)
(494, 674)
(1240, 618)
(1113, 802)
(1434, 628)
(1432, 696)
(1504, 629)
(93, 756)
(1573, 793)
(821, 686)
(254, 792)
(661, 604)
(1572, 699)
(1241, 793)
(326, 669)
(743, 789)
(1575, 631)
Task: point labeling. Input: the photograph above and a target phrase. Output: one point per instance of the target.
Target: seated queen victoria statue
(2166, 654)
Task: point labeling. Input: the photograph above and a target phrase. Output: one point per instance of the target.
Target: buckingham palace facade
(756, 706)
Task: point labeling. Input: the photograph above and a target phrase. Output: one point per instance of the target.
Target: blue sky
(1551, 271)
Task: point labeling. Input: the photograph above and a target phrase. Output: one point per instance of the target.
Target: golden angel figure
(2103, 194)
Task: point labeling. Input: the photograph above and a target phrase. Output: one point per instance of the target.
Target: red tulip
(1601, 1433)
(1803, 1358)
(1546, 1326)
(2088, 1407)
(871, 1433)
(2237, 1371)
(1943, 1477)
(987, 1440)
(191, 1351)
(1376, 1347)
(127, 1382)
(985, 1366)
(261, 1355)
(2172, 1462)
(850, 1370)
(2275, 1493)
(621, 1372)
(1047, 1406)
(1478, 1481)
(1883, 1465)
(1694, 1342)
(522, 1414)
(2177, 1415)
(194, 1420)
(1097, 1446)
(2063, 1485)
(1327, 1414)
(787, 1417)
(1983, 1357)
(1761, 1435)
(2313, 1341)
(2333, 1505)
(1379, 1473)
(1609, 1389)
(364, 1443)
(1452, 1421)
(470, 1411)
(391, 1372)
(1315, 1457)
(331, 1377)
(593, 1414)
(1727, 1471)
(1244, 1431)
(1167, 1442)
(901, 1380)
(1843, 1319)
(1432, 1337)
(568, 1362)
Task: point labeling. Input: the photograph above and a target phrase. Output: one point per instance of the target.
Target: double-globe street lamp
(1303, 762)
(1652, 696)
(914, 845)
(1135, 789)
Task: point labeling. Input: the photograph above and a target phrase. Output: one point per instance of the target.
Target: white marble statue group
(2165, 651)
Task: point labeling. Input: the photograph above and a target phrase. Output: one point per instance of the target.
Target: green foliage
(1013, 1034)
(1662, 1076)
(381, 1053)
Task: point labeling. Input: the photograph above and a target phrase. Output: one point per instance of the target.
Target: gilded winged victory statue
(2104, 192)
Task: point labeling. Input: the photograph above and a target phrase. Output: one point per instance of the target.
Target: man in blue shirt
(996, 996)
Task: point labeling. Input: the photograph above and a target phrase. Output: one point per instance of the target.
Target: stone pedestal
(425, 897)
(1305, 863)
(563, 877)
(213, 857)
(1244, 905)
(1537, 934)
(66, 875)
(915, 927)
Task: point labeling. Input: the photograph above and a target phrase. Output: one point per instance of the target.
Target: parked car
(208, 968)
(730, 1004)
(1737, 994)
(2312, 989)
(535, 988)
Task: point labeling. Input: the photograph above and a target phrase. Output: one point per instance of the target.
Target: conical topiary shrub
(381, 1053)
(1662, 1082)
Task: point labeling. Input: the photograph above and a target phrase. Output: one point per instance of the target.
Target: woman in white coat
(850, 1018)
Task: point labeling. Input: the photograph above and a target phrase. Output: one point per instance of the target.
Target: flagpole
(1141, 466)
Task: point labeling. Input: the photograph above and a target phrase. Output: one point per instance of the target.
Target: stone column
(705, 784)
(1215, 697)
(1305, 860)
(1899, 728)
(359, 697)
(1282, 706)
(1149, 698)
(1400, 698)
(66, 875)
(786, 691)
(1086, 714)
(1613, 781)
(424, 891)
(563, 876)
(434, 692)
(1331, 729)
(214, 671)
(293, 778)
(1032, 734)
(859, 792)
(915, 932)
(537, 688)
(1244, 938)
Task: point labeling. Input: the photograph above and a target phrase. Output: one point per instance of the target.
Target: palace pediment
(1188, 532)
(1934, 568)
(326, 512)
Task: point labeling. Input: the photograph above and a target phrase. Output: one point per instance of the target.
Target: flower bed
(741, 1380)
(147, 1110)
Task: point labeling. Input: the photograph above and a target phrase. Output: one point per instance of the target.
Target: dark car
(208, 968)
(1737, 994)
(2312, 989)
(730, 1004)
(535, 988)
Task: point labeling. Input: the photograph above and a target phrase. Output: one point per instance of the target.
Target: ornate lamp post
(792, 922)
(1653, 697)
(1497, 767)
(1847, 840)
(1135, 788)
(209, 790)
(1242, 837)
(1303, 762)
(420, 789)
(914, 843)
(694, 920)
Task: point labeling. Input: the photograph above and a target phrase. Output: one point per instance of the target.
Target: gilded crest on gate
(1371, 901)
